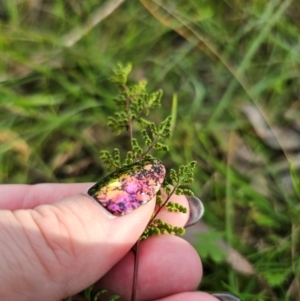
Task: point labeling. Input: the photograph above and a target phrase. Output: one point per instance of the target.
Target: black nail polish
(224, 296)
(196, 210)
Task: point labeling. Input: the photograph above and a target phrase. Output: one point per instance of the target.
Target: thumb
(54, 251)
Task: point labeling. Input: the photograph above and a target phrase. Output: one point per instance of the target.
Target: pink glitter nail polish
(129, 187)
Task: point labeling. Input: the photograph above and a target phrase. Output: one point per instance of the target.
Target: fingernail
(129, 187)
(196, 210)
(224, 296)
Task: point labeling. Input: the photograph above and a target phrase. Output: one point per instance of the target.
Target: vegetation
(229, 71)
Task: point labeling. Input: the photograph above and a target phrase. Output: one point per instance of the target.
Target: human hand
(56, 241)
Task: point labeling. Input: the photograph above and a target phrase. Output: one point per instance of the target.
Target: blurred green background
(233, 67)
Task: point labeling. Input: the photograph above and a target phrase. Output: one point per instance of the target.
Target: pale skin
(56, 240)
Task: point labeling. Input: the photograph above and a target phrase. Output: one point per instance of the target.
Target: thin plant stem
(149, 148)
(161, 206)
(128, 100)
(136, 247)
(135, 250)
(129, 120)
